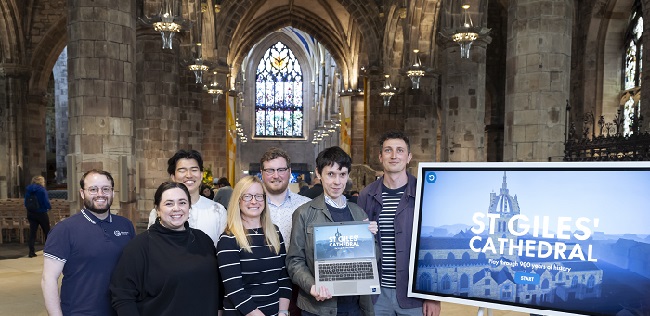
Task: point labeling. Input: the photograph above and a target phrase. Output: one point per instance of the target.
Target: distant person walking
(37, 204)
(224, 192)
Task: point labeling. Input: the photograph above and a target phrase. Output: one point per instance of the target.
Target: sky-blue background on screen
(620, 199)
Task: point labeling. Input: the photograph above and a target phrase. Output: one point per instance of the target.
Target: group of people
(254, 259)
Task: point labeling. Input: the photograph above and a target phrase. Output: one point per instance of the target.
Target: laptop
(344, 258)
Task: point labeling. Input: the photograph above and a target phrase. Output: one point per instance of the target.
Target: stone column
(538, 67)
(13, 101)
(421, 123)
(101, 63)
(463, 102)
(157, 115)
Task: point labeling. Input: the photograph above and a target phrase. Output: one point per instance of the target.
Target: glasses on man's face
(271, 171)
(95, 190)
(249, 197)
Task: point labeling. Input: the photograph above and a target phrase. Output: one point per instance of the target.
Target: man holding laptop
(391, 202)
(332, 168)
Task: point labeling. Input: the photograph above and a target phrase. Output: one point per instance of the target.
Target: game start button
(526, 278)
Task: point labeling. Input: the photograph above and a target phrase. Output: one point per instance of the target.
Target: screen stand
(483, 311)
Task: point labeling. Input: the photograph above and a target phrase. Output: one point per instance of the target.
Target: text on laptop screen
(343, 241)
(565, 237)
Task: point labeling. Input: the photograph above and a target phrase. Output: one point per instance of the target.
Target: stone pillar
(157, 115)
(538, 67)
(421, 123)
(101, 64)
(463, 102)
(13, 102)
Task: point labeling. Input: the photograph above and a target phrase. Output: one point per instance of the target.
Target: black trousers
(36, 219)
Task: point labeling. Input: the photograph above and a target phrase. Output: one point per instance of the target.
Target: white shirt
(205, 215)
(281, 215)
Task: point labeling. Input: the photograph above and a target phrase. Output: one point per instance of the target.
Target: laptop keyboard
(345, 271)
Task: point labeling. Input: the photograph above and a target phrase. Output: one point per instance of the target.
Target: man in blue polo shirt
(85, 248)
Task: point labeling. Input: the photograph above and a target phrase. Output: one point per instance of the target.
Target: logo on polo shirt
(119, 233)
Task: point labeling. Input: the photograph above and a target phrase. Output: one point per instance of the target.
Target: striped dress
(252, 280)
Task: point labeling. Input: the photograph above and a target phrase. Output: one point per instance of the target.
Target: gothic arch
(603, 58)
(12, 45)
(251, 66)
(46, 54)
(364, 13)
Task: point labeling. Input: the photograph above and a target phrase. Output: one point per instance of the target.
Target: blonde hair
(40, 180)
(235, 225)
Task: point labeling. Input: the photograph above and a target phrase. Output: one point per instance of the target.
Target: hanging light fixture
(416, 71)
(198, 66)
(465, 34)
(214, 89)
(166, 26)
(387, 91)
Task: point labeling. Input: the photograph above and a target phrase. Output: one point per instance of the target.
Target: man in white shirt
(275, 166)
(186, 166)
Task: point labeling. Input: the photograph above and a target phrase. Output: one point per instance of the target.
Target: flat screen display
(549, 238)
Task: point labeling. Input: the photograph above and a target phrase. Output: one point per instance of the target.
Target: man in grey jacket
(332, 167)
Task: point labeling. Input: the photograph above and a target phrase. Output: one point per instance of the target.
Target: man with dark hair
(186, 166)
(391, 202)
(85, 248)
(224, 192)
(332, 167)
(275, 166)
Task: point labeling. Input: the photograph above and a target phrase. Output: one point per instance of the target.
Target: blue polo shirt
(89, 248)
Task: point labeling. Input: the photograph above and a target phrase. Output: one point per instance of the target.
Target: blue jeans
(387, 305)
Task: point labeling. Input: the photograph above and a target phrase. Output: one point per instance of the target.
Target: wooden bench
(14, 223)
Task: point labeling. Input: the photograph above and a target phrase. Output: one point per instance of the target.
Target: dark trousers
(293, 308)
(36, 219)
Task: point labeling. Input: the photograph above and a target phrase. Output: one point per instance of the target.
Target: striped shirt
(252, 280)
(390, 198)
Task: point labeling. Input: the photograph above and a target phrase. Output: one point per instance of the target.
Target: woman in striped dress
(251, 256)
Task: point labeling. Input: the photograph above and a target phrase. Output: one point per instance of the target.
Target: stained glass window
(633, 49)
(278, 94)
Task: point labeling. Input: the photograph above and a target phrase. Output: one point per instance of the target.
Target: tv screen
(550, 238)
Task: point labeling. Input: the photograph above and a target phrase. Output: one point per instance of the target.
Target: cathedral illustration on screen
(447, 265)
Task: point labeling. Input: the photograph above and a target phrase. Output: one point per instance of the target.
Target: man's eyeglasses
(271, 171)
(249, 197)
(95, 190)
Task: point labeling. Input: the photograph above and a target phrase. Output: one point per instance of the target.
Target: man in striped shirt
(391, 201)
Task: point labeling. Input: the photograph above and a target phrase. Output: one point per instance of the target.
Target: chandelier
(166, 26)
(416, 71)
(214, 89)
(198, 66)
(465, 35)
(387, 91)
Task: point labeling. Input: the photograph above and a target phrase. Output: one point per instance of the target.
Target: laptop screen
(570, 238)
(349, 240)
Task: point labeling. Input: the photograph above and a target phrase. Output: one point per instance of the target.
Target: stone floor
(20, 290)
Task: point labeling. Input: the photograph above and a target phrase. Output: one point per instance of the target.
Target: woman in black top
(170, 269)
(251, 256)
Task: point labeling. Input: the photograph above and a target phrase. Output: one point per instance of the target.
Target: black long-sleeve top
(252, 280)
(167, 272)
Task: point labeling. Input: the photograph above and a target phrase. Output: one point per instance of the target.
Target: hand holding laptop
(321, 294)
(372, 226)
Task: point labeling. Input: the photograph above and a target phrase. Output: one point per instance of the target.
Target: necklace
(255, 230)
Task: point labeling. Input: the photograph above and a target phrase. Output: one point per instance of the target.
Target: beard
(275, 190)
(90, 205)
